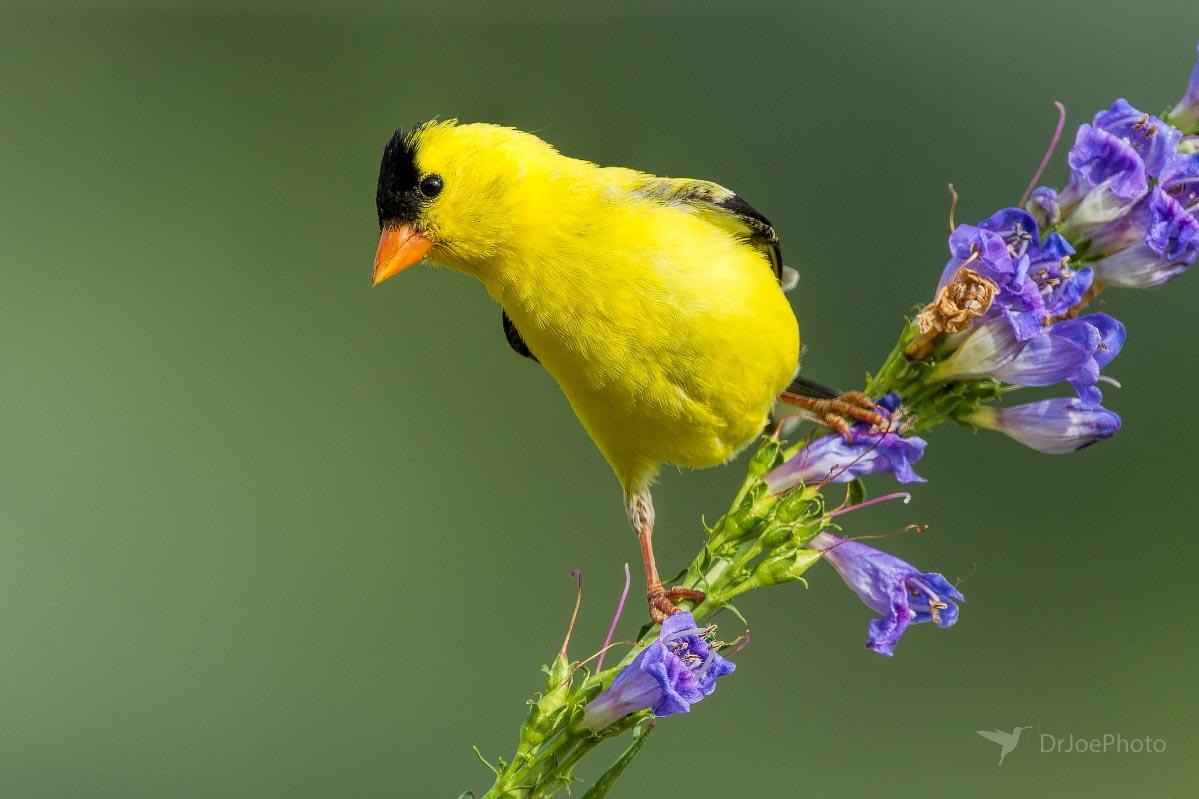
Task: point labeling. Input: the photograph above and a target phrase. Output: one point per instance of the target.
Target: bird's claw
(662, 601)
(840, 413)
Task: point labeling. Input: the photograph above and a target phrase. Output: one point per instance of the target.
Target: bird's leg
(640, 507)
(836, 413)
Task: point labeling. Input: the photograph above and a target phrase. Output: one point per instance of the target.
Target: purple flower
(891, 587)
(668, 676)
(1180, 179)
(1154, 140)
(1155, 242)
(1062, 286)
(1051, 287)
(1071, 350)
(1185, 113)
(1033, 275)
(1044, 206)
(831, 459)
(1054, 426)
(1107, 177)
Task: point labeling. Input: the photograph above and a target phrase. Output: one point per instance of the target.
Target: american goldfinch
(655, 303)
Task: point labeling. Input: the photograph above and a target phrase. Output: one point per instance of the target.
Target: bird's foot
(662, 600)
(840, 413)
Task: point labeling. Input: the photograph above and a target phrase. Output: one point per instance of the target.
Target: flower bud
(546, 713)
(785, 568)
(766, 458)
(1044, 206)
(776, 537)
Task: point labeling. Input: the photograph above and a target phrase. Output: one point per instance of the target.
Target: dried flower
(967, 296)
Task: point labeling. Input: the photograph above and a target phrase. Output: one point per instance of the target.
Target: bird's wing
(515, 341)
(995, 736)
(720, 207)
(713, 203)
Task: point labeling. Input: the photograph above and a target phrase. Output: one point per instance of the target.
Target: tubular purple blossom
(891, 587)
(1072, 350)
(1033, 275)
(831, 459)
(1107, 177)
(1053, 426)
(989, 346)
(1157, 241)
(1047, 286)
(668, 676)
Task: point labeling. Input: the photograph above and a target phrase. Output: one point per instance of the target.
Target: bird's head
(455, 193)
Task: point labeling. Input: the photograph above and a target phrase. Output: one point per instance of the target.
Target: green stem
(752, 531)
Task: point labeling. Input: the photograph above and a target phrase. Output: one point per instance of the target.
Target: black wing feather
(719, 206)
(515, 341)
(762, 233)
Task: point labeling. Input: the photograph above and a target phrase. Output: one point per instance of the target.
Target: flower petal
(1154, 140)
(1107, 178)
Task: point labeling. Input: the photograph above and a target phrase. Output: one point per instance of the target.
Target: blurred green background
(267, 532)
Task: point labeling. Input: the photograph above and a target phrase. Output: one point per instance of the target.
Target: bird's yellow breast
(670, 338)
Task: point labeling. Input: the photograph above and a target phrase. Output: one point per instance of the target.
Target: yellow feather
(667, 332)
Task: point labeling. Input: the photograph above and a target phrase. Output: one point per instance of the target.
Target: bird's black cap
(398, 197)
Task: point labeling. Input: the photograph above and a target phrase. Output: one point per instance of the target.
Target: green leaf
(609, 777)
(855, 492)
(466, 795)
(485, 762)
(644, 631)
(731, 609)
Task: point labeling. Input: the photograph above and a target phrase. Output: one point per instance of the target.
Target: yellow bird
(655, 303)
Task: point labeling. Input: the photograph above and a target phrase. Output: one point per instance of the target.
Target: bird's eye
(431, 185)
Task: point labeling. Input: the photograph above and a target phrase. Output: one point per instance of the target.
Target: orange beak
(400, 246)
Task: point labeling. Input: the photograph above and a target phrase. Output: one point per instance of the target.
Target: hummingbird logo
(1007, 740)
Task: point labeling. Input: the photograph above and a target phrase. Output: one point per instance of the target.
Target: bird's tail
(804, 387)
